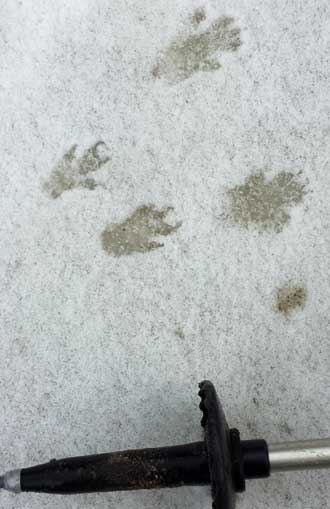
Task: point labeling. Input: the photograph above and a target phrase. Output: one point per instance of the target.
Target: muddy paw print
(187, 55)
(266, 203)
(73, 171)
(135, 234)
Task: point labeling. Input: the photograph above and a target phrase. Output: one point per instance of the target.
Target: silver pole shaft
(302, 455)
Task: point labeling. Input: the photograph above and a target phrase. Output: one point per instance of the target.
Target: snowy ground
(164, 219)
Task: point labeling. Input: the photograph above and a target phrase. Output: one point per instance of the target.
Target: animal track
(73, 171)
(187, 55)
(135, 234)
(263, 203)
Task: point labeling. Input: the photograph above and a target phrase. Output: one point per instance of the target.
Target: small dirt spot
(290, 298)
(179, 332)
(286, 429)
(198, 16)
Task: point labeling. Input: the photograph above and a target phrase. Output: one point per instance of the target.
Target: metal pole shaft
(302, 455)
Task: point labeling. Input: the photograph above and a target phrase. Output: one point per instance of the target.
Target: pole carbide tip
(11, 481)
